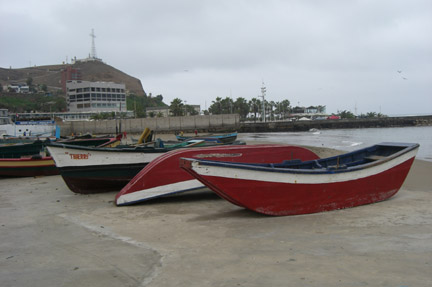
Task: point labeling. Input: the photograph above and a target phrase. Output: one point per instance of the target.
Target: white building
(158, 111)
(18, 88)
(166, 111)
(84, 96)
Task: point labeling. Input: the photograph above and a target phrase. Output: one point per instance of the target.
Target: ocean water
(351, 139)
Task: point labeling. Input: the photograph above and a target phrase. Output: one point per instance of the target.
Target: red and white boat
(356, 178)
(102, 169)
(163, 176)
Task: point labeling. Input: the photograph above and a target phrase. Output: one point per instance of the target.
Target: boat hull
(101, 178)
(25, 167)
(163, 176)
(20, 150)
(291, 193)
(93, 170)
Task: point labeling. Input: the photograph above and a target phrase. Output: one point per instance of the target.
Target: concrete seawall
(229, 123)
(213, 123)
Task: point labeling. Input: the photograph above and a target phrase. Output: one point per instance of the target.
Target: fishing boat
(163, 176)
(35, 165)
(25, 160)
(293, 187)
(23, 128)
(9, 140)
(90, 141)
(100, 169)
(219, 138)
(105, 141)
(31, 159)
(20, 150)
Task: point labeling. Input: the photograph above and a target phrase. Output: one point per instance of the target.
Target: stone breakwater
(298, 126)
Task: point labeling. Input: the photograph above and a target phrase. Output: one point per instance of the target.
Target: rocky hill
(90, 71)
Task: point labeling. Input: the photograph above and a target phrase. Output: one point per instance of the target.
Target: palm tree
(241, 107)
(216, 107)
(282, 108)
(177, 107)
(371, 115)
(321, 109)
(271, 105)
(254, 107)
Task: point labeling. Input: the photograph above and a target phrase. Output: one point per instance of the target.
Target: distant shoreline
(299, 126)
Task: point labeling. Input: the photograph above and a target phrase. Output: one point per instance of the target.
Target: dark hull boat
(361, 177)
(25, 159)
(31, 166)
(21, 149)
(29, 159)
(101, 169)
(163, 175)
(84, 141)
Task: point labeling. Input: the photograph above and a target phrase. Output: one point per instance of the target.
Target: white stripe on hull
(299, 178)
(149, 193)
(65, 157)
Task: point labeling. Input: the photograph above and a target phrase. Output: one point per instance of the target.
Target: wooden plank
(375, 157)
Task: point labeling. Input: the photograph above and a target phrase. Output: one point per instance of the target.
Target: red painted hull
(164, 171)
(286, 192)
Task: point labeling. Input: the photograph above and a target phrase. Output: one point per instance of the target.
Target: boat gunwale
(323, 170)
(145, 149)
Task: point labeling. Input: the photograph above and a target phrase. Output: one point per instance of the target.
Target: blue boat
(219, 138)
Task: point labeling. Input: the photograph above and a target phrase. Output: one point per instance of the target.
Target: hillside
(90, 71)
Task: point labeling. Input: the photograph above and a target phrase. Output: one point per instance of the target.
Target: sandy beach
(53, 237)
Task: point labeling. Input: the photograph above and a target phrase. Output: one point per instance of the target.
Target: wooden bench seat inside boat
(374, 157)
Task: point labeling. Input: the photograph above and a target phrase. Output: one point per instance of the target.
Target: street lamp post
(263, 93)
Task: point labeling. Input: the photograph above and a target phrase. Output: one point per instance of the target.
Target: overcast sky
(342, 54)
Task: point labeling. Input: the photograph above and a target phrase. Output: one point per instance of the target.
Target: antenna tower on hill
(93, 48)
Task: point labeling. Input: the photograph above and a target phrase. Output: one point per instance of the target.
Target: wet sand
(50, 236)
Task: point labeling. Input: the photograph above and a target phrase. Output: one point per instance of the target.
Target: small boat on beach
(163, 176)
(25, 160)
(35, 165)
(294, 187)
(217, 138)
(21, 149)
(31, 159)
(101, 169)
(104, 141)
(82, 141)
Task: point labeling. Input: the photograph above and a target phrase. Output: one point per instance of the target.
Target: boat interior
(377, 153)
